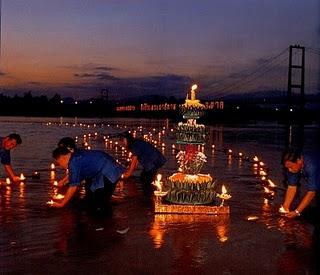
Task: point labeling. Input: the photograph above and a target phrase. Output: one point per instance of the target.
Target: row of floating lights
(258, 166)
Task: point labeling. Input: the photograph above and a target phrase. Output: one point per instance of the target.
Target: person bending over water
(99, 170)
(70, 144)
(6, 144)
(144, 153)
(299, 165)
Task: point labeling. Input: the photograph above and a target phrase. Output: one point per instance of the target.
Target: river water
(253, 239)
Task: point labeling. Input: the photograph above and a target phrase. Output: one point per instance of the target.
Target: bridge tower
(296, 76)
(105, 95)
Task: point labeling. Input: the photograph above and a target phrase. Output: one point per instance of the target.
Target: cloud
(104, 68)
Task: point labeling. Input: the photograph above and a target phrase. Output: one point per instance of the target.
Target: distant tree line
(241, 109)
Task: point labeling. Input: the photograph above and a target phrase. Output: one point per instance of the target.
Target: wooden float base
(161, 207)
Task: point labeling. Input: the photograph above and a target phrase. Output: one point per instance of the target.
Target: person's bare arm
(290, 193)
(10, 173)
(303, 204)
(69, 194)
(131, 168)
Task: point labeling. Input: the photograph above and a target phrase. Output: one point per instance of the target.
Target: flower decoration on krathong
(191, 161)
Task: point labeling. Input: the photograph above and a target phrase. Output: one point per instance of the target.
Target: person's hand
(293, 214)
(60, 183)
(16, 178)
(125, 176)
(55, 204)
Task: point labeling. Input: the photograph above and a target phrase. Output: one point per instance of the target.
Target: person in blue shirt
(299, 165)
(149, 157)
(70, 144)
(6, 144)
(98, 169)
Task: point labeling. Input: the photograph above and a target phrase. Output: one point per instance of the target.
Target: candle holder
(224, 195)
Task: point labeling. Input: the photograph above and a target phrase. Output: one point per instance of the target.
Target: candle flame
(52, 166)
(271, 183)
(22, 177)
(159, 176)
(55, 183)
(223, 190)
(8, 181)
(255, 158)
(194, 87)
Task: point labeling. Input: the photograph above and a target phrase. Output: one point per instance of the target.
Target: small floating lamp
(224, 195)
(22, 177)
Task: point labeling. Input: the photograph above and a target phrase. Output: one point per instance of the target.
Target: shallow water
(37, 240)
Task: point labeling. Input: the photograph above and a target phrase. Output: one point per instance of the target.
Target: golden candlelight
(52, 166)
(50, 202)
(193, 91)
(255, 159)
(55, 183)
(58, 196)
(263, 173)
(271, 184)
(229, 151)
(224, 195)
(240, 154)
(8, 182)
(22, 177)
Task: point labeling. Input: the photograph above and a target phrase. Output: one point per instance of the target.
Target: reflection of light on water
(82, 192)
(52, 175)
(222, 231)
(157, 231)
(21, 190)
(8, 195)
(229, 161)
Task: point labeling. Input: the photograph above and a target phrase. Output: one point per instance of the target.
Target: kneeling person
(99, 170)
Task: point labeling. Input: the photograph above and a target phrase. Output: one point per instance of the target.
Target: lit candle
(193, 91)
(52, 166)
(22, 177)
(8, 182)
(50, 202)
(55, 183)
(224, 195)
(271, 184)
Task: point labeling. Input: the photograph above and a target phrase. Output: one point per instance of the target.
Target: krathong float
(187, 190)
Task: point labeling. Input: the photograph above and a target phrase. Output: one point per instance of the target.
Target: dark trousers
(100, 198)
(147, 177)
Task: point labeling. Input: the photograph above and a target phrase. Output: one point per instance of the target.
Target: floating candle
(22, 177)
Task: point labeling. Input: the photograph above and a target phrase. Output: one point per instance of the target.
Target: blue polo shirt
(93, 165)
(310, 171)
(4, 154)
(148, 156)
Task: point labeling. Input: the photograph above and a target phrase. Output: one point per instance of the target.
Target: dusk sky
(78, 47)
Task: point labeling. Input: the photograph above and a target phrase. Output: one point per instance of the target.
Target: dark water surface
(37, 240)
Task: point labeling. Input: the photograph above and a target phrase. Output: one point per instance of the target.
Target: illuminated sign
(145, 107)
